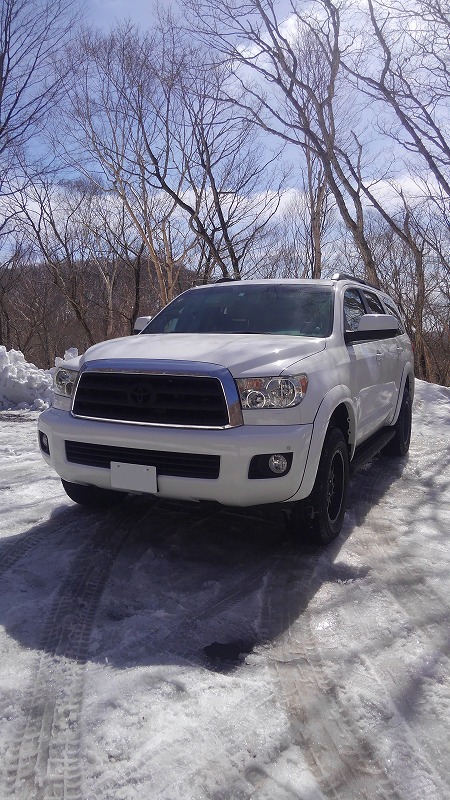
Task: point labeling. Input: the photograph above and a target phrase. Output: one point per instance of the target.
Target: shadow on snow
(155, 582)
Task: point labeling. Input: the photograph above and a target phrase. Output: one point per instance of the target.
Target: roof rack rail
(226, 280)
(345, 276)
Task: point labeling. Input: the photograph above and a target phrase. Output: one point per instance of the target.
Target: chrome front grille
(156, 393)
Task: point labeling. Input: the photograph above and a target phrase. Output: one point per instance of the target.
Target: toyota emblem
(140, 396)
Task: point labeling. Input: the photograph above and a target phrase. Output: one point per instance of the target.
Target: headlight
(277, 392)
(64, 381)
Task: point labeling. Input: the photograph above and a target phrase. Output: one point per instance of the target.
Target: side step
(370, 448)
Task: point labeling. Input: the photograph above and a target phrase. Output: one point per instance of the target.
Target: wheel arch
(336, 410)
(407, 383)
(343, 418)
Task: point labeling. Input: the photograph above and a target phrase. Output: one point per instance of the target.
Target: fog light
(43, 440)
(269, 465)
(278, 464)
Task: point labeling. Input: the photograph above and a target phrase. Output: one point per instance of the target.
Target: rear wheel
(92, 496)
(399, 445)
(321, 515)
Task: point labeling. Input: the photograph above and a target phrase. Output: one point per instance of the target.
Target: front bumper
(235, 446)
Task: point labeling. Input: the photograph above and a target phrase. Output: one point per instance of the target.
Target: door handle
(380, 356)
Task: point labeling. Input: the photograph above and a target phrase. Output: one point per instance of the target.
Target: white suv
(240, 392)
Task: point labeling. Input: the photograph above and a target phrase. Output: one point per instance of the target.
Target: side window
(374, 303)
(353, 309)
(392, 310)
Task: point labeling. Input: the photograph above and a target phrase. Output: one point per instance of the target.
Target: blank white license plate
(133, 477)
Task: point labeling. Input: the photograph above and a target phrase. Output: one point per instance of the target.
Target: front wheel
(321, 515)
(92, 496)
(399, 444)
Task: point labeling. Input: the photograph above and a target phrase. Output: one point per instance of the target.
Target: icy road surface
(176, 653)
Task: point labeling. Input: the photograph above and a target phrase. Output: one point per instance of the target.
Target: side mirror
(373, 326)
(140, 324)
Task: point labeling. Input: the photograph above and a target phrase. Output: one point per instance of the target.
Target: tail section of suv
(244, 393)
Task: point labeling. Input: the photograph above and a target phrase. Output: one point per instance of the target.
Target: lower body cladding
(229, 466)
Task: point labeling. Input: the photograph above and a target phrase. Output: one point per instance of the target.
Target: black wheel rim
(335, 488)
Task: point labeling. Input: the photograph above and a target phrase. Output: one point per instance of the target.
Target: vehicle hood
(243, 355)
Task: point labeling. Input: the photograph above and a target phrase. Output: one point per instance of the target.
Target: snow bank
(23, 385)
(433, 403)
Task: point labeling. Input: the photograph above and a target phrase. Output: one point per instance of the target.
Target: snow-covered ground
(175, 653)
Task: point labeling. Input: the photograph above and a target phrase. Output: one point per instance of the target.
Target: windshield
(293, 310)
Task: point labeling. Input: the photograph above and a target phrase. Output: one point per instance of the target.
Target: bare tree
(404, 64)
(10, 276)
(241, 193)
(148, 115)
(33, 35)
(108, 244)
(291, 75)
(77, 238)
(301, 241)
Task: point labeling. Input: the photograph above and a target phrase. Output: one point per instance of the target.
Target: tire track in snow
(21, 545)
(342, 759)
(45, 758)
(357, 741)
(233, 590)
(44, 761)
(421, 623)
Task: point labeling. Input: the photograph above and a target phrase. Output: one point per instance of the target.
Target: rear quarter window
(391, 309)
(374, 303)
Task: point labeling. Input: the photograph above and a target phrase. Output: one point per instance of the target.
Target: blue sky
(105, 13)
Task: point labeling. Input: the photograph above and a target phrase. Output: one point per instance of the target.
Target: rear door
(390, 361)
(401, 341)
(366, 369)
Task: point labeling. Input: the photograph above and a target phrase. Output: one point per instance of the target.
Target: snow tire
(321, 515)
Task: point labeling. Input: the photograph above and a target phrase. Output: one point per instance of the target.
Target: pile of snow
(23, 385)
